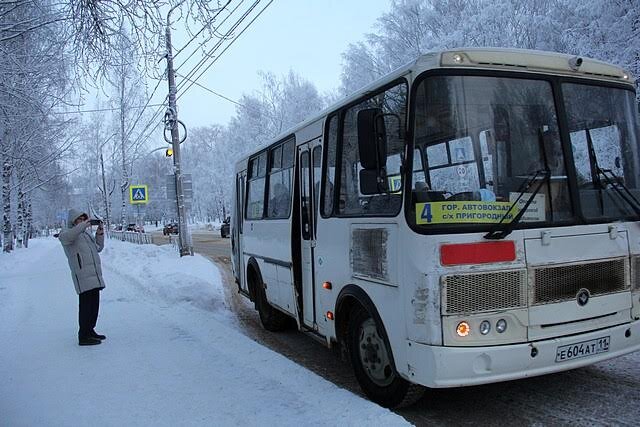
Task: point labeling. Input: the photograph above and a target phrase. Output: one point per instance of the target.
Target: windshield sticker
(395, 184)
(536, 210)
(463, 212)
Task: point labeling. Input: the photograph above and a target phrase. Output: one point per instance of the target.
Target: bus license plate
(582, 349)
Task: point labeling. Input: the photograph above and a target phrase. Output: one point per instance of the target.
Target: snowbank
(171, 356)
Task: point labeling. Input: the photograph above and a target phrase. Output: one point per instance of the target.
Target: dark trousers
(88, 312)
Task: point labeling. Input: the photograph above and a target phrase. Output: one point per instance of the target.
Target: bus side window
(255, 186)
(330, 166)
(317, 173)
(391, 104)
(280, 180)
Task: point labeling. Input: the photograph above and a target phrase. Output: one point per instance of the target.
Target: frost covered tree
(126, 81)
(280, 103)
(35, 81)
(92, 27)
(606, 30)
(210, 152)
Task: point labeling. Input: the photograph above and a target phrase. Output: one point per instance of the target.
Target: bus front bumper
(439, 367)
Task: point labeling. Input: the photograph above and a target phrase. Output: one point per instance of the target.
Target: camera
(95, 221)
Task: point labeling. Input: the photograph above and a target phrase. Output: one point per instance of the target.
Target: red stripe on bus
(477, 253)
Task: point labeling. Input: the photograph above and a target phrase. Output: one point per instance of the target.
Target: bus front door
(307, 232)
(236, 236)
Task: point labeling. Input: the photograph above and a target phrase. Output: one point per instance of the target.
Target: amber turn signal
(463, 329)
(326, 285)
(329, 315)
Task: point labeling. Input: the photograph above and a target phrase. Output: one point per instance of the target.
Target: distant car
(136, 228)
(225, 228)
(171, 228)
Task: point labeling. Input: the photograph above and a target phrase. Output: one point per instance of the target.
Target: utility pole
(172, 123)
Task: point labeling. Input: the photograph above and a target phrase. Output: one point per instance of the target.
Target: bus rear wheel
(373, 364)
(272, 319)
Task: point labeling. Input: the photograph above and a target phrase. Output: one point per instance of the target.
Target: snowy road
(603, 394)
(172, 356)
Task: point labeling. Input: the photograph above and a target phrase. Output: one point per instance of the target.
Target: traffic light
(169, 152)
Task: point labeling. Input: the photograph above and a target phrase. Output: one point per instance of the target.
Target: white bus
(470, 218)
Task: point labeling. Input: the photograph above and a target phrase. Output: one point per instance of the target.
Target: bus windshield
(484, 142)
(604, 140)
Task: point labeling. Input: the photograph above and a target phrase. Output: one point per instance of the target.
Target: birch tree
(34, 82)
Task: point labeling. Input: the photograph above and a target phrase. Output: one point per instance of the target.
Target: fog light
(463, 329)
(485, 327)
(501, 326)
(457, 58)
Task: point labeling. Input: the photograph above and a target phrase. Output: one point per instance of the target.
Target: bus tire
(373, 365)
(272, 319)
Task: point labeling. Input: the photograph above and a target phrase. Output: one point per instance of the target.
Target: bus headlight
(463, 329)
(501, 326)
(485, 327)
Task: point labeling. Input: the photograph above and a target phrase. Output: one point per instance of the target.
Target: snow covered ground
(172, 355)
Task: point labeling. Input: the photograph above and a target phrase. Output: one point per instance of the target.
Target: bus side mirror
(372, 148)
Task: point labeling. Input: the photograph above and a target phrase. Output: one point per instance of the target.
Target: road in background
(602, 394)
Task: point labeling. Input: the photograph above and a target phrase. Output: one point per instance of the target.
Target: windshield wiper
(502, 229)
(615, 183)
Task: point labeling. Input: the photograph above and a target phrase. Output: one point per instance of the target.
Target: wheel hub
(373, 354)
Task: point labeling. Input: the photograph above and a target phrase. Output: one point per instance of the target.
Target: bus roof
(522, 60)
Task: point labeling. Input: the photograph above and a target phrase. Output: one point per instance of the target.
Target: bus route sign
(138, 194)
(463, 212)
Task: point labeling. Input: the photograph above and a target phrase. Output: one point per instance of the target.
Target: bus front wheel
(373, 364)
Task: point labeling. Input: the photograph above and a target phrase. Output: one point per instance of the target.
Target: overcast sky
(307, 36)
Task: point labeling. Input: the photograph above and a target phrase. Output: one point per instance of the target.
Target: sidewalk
(172, 356)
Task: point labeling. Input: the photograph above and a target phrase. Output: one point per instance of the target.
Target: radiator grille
(369, 252)
(562, 283)
(467, 293)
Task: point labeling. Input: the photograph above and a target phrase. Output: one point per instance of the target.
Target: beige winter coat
(82, 253)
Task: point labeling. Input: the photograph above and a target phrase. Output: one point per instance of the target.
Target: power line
(209, 38)
(212, 91)
(202, 29)
(97, 110)
(155, 115)
(149, 123)
(204, 60)
(225, 49)
(209, 55)
(147, 104)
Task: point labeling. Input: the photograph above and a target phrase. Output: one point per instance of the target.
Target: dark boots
(96, 335)
(92, 339)
(88, 341)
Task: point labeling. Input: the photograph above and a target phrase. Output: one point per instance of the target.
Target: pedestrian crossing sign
(138, 194)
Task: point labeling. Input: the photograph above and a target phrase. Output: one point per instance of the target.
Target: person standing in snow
(82, 250)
